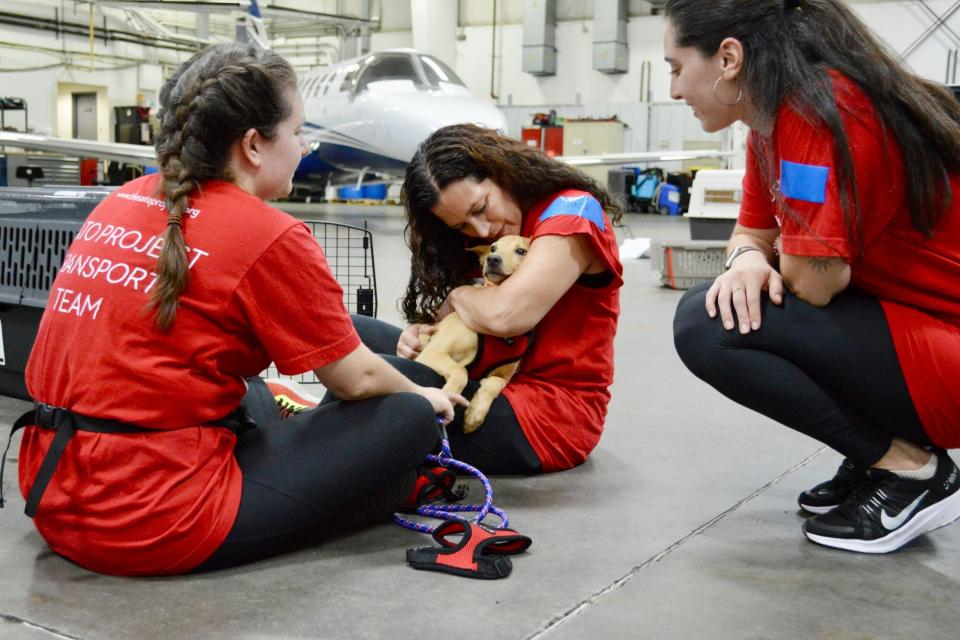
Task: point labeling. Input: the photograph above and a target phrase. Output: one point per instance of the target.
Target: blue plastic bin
(350, 193)
(374, 191)
(668, 202)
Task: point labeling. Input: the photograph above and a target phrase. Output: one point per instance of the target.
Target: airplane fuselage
(369, 114)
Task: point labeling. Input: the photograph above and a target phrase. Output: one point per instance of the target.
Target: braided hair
(205, 107)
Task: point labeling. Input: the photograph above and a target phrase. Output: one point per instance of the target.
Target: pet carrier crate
(715, 203)
(38, 225)
(681, 265)
(349, 252)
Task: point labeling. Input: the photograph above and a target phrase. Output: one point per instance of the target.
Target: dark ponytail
(789, 47)
(206, 106)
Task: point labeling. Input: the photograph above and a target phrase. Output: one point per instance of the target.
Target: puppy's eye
(521, 252)
(493, 249)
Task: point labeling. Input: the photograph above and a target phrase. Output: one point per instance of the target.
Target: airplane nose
(457, 110)
(489, 116)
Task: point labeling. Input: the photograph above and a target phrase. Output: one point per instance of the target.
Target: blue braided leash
(449, 511)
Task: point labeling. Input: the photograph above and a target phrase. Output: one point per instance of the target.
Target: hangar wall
(899, 23)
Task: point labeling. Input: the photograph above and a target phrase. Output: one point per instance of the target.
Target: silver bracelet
(736, 253)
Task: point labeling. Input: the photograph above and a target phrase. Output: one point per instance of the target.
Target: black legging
(831, 372)
(321, 471)
(497, 447)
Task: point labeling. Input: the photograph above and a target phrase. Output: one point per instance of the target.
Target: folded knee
(693, 329)
(416, 414)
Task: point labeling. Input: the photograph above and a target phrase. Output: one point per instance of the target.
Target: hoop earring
(717, 97)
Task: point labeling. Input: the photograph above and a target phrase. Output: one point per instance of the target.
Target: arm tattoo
(819, 264)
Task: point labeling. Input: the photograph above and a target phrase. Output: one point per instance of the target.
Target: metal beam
(930, 30)
(222, 7)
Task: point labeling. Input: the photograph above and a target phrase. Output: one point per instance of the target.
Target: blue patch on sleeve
(576, 206)
(805, 182)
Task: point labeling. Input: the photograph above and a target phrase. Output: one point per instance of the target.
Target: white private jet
(367, 115)
(364, 118)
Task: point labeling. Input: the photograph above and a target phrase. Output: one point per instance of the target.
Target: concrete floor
(683, 524)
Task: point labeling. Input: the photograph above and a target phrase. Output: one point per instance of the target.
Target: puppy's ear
(481, 250)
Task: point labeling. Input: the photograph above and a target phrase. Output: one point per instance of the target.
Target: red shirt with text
(259, 291)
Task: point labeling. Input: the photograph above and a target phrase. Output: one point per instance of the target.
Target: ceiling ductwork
(540, 37)
(610, 51)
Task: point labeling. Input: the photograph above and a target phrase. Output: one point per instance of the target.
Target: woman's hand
(739, 290)
(409, 346)
(443, 402)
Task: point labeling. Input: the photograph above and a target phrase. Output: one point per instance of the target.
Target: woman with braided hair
(154, 449)
(839, 311)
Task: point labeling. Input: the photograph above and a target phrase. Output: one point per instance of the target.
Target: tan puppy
(453, 348)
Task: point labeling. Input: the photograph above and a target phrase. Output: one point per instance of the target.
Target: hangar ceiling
(306, 29)
(309, 32)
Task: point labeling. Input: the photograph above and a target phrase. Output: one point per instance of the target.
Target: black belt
(66, 424)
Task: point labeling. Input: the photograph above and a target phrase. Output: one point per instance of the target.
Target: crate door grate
(49, 250)
(349, 252)
(32, 253)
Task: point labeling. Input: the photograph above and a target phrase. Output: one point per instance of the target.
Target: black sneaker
(889, 511)
(829, 494)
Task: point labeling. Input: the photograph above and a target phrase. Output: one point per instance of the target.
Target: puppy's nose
(494, 260)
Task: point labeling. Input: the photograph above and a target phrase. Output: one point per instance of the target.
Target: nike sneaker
(829, 494)
(887, 512)
(290, 397)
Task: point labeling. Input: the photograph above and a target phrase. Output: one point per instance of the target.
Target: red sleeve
(295, 305)
(806, 157)
(757, 209)
(579, 213)
(806, 150)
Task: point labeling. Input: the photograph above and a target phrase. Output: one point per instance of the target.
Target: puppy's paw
(473, 418)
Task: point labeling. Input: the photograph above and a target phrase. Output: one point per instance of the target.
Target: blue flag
(578, 206)
(805, 182)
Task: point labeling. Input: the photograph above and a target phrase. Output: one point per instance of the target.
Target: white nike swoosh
(891, 523)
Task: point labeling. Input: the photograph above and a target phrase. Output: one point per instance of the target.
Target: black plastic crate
(349, 252)
(31, 253)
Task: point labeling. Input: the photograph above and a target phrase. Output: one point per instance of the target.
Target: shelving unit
(14, 104)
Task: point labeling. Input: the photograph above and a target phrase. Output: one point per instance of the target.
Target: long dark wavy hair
(440, 262)
(208, 104)
(789, 47)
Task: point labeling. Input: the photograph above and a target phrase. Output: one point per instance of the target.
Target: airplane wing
(642, 156)
(127, 153)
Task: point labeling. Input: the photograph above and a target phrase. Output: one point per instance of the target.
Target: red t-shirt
(560, 392)
(916, 279)
(259, 291)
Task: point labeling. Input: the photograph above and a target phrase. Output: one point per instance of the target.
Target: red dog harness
(480, 553)
(493, 352)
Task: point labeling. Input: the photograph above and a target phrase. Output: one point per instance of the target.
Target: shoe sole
(930, 519)
(292, 390)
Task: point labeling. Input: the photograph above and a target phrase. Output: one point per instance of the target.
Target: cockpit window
(438, 72)
(388, 67)
(349, 78)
